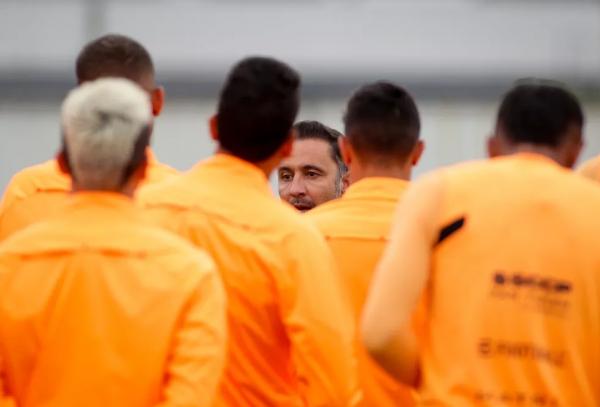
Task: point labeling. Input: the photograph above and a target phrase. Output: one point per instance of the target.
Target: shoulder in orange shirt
(37, 192)
(100, 308)
(518, 264)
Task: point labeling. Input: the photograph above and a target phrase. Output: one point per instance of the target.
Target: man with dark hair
(98, 307)
(290, 329)
(314, 173)
(504, 254)
(380, 148)
(36, 192)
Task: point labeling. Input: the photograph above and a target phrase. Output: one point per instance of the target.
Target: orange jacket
(506, 252)
(37, 192)
(290, 331)
(356, 227)
(99, 308)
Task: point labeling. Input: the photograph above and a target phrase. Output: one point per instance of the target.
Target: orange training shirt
(38, 191)
(100, 308)
(356, 227)
(290, 331)
(512, 268)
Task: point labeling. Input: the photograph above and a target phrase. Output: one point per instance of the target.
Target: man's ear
(345, 150)
(494, 146)
(63, 162)
(212, 127)
(286, 148)
(417, 152)
(158, 100)
(573, 148)
(345, 181)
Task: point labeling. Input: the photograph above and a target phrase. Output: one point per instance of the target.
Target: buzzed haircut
(312, 129)
(539, 112)
(113, 55)
(382, 121)
(257, 107)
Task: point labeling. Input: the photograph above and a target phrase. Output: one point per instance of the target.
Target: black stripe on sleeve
(449, 229)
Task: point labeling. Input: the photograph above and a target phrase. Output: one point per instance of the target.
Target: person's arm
(399, 281)
(319, 323)
(198, 353)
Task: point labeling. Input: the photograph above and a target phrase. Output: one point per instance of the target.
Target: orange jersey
(591, 169)
(356, 227)
(37, 192)
(290, 331)
(100, 308)
(509, 248)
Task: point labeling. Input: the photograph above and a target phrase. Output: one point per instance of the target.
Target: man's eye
(285, 177)
(312, 174)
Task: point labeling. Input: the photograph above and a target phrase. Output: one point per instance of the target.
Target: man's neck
(548, 152)
(266, 166)
(359, 172)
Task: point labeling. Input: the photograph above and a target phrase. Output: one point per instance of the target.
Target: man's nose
(297, 186)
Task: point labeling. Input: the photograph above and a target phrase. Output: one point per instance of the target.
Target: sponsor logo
(489, 348)
(515, 398)
(550, 296)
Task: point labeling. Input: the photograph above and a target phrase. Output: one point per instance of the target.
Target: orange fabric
(513, 294)
(356, 227)
(100, 308)
(290, 332)
(37, 192)
(591, 169)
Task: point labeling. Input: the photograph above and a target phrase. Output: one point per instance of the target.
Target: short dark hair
(382, 121)
(257, 108)
(312, 129)
(539, 112)
(113, 55)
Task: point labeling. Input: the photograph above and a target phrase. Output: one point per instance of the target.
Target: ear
(345, 181)
(346, 151)
(417, 152)
(140, 173)
(212, 126)
(494, 146)
(158, 100)
(63, 162)
(287, 147)
(573, 149)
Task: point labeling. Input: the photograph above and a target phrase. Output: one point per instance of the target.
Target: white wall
(453, 132)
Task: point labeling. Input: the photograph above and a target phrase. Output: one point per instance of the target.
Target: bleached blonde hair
(101, 123)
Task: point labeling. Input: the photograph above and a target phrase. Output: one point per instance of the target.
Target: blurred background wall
(456, 56)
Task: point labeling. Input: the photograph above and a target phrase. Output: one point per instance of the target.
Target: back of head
(539, 113)
(106, 129)
(114, 55)
(382, 122)
(312, 129)
(257, 108)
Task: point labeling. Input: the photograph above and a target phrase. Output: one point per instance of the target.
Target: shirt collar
(379, 187)
(111, 201)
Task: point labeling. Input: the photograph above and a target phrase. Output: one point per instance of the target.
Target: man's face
(309, 177)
